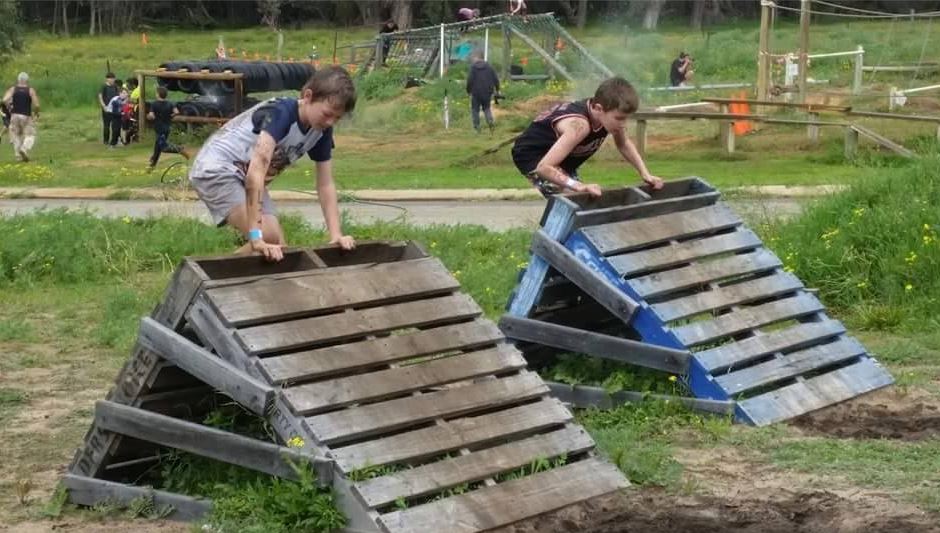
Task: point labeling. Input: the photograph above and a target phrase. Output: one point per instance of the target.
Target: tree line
(70, 17)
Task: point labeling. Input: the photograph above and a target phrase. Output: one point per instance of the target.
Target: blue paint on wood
(556, 223)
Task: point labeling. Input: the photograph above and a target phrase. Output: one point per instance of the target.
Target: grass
(873, 249)
(396, 139)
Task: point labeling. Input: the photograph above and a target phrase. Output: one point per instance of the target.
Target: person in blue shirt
(234, 167)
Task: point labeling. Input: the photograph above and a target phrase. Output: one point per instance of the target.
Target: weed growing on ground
(874, 250)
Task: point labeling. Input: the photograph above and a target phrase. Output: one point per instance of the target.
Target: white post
(441, 65)
(857, 78)
(486, 44)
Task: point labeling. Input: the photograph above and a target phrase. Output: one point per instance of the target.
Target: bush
(874, 249)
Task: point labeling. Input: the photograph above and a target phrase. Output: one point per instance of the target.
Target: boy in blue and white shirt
(234, 167)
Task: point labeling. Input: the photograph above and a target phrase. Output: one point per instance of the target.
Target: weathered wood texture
(452, 435)
(475, 466)
(327, 290)
(83, 490)
(511, 501)
(205, 366)
(356, 356)
(206, 441)
(592, 283)
(596, 344)
(619, 237)
(357, 422)
(304, 332)
(585, 396)
(340, 392)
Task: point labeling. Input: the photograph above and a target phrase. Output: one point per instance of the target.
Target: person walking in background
(108, 91)
(23, 104)
(389, 27)
(161, 113)
(5, 116)
(681, 70)
(482, 84)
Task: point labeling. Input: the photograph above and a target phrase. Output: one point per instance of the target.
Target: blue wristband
(254, 235)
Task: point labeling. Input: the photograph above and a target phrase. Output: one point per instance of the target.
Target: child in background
(161, 113)
(116, 107)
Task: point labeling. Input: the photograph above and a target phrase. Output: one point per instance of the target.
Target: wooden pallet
(427, 417)
(697, 280)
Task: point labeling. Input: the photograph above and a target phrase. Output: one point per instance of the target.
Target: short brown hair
(161, 92)
(332, 83)
(617, 94)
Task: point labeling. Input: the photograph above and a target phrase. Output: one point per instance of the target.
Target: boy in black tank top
(559, 140)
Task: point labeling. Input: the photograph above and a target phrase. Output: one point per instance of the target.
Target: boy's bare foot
(187, 153)
(23, 156)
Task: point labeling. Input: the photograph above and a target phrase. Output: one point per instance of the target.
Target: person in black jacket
(482, 84)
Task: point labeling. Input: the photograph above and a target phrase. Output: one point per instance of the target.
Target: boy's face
(320, 114)
(611, 120)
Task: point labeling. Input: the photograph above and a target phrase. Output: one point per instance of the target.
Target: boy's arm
(573, 131)
(632, 156)
(329, 203)
(254, 190)
(8, 96)
(101, 99)
(36, 106)
(469, 80)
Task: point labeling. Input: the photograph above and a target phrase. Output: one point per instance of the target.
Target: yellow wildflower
(672, 378)
(908, 287)
(295, 442)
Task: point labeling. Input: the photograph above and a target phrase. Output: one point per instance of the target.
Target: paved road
(499, 215)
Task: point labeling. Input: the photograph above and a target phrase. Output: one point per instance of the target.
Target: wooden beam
(641, 137)
(208, 442)
(211, 369)
(595, 344)
(851, 142)
(89, 491)
(542, 53)
(583, 396)
(589, 281)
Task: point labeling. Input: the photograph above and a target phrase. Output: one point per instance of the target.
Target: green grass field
(396, 139)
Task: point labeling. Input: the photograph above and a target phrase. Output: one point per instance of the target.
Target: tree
(10, 38)
(651, 14)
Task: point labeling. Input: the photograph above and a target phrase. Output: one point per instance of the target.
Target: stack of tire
(259, 76)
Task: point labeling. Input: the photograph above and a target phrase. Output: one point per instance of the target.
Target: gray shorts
(223, 193)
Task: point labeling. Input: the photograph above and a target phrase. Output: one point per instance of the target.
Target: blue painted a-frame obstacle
(673, 280)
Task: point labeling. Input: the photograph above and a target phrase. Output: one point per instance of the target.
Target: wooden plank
(213, 333)
(683, 252)
(588, 280)
(722, 297)
(816, 392)
(334, 393)
(178, 296)
(435, 477)
(884, 141)
(357, 422)
(596, 344)
(789, 339)
(89, 491)
(511, 501)
(619, 237)
(660, 283)
(211, 369)
(898, 116)
(206, 441)
(646, 209)
(791, 365)
(322, 362)
(453, 435)
(239, 267)
(747, 318)
(327, 290)
(584, 396)
(305, 332)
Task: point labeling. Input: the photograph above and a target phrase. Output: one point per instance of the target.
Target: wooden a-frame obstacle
(365, 359)
(673, 280)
